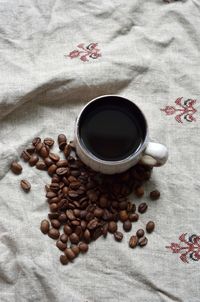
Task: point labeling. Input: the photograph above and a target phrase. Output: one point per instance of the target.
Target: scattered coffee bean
(55, 223)
(33, 160)
(142, 207)
(52, 169)
(25, 155)
(63, 259)
(123, 215)
(105, 230)
(25, 185)
(36, 140)
(41, 165)
(74, 238)
(30, 150)
(54, 233)
(140, 233)
(48, 141)
(127, 225)
(83, 247)
(142, 241)
(38, 147)
(64, 238)
(44, 151)
(118, 236)
(44, 227)
(62, 171)
(112, 227)
(133, 241)
(67, 229)
(54, 157)
(154, 195)
(16, 168)
(150, 226)
(133, 217)
(62, 246)
(70, 254)
(139, 191)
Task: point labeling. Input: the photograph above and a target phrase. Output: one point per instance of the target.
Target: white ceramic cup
(149, 153)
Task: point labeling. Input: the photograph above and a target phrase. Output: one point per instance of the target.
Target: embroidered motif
(84, 53)
(185, 109)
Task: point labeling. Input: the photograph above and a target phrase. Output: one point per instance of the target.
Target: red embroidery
(188, 249)
(83, 52)
(185, 109)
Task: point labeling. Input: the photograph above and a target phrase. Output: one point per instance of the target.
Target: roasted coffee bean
(39, 146)
(142, 207)
(55, 223)
(92, 195)
(74, 238)
(53, 215)
(62, 246)
(123, 205)
(103, 202)
(127, 225)
(70, 215)
(52, 169)
(123, 215)
(54, 187)
(98, 212)
(92, 224)
(25, 155)
(49, 141)
(150, 226)
(64, 238)
(89, 216)
(67, 150)
(77, 213)
(83, 224)
(40, 165)
(62, 163)
(36, 140)
(133, 241)
(62, 145)
(105, 230)
(54, 233)
(87, 236)
(62, 218)
(25, 185)
(74, 185)
(139, 191)
(83, 247)
(30, 150)
(63, 259)
(33, 160)
(140, 233)
(70, 254)
(118, 236)
(78, 231)
(47, 188)
(54, 157)
(112, 227)
(75, 222)
(50, 194)
(48, 161)
(131, 207)
(133, 217)
(67, 229)
(44, 226)
(61, 138)
(53, 207)
(154, 195)
(62, 171)
(97, 233)
(16, 168)
(75, 249)
(75, 173)
(142, 241)
(44, 151)
(72, 178)
(73, 195)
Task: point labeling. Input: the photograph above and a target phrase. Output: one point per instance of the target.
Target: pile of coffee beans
(84, 204)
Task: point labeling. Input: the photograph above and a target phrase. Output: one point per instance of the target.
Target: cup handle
(155, 155)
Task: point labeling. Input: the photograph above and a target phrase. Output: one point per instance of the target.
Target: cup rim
(114, 162)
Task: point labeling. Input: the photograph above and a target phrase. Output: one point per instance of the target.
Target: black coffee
(112, 128)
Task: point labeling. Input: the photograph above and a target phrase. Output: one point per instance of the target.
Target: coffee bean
(62, 163)
(54, 157)
(74, 238)
(70, 254)
(62, 218)
(105, 230)
(154, 195)
(74, 185)
(38, 147)
(49, 141)
(123, 216)
(25, 155)
(98, 212)
(48, 161)
(36, 140)
(142, 207)
(44, 226)
(83, 247)
(75, 249)
(133, 217)
(54, 233)
(53, 207)
(89, 216)
(67, 229)
(16, 168)
(123, 205)
(25, 185)
(62, 145)
(103, 201)
(61, 138)
(127, 225)
(70, 215)
(140, 233)
(92, 224)
(67, 150)
(131, 207)
(112, 227)
(55, 223)
(50, 194)
(77, 213)
(150, 226)
(133, 241)
(62, 246)
(62, 171)
(30, 150)
(142, 241)
(78, 231)
(44, 151)
(83, 224)
(33, 160)
(97, 233)
(54, 187)
(64, 238)
(139, 191)
(52, 169)
(53, 216)
(118, 236)
(73, 194)
(87, 236)
(41, 165)
(63, 259)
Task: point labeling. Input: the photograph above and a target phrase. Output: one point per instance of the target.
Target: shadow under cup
(112, 128)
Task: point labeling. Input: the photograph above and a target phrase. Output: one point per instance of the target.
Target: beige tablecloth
(57, 55)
